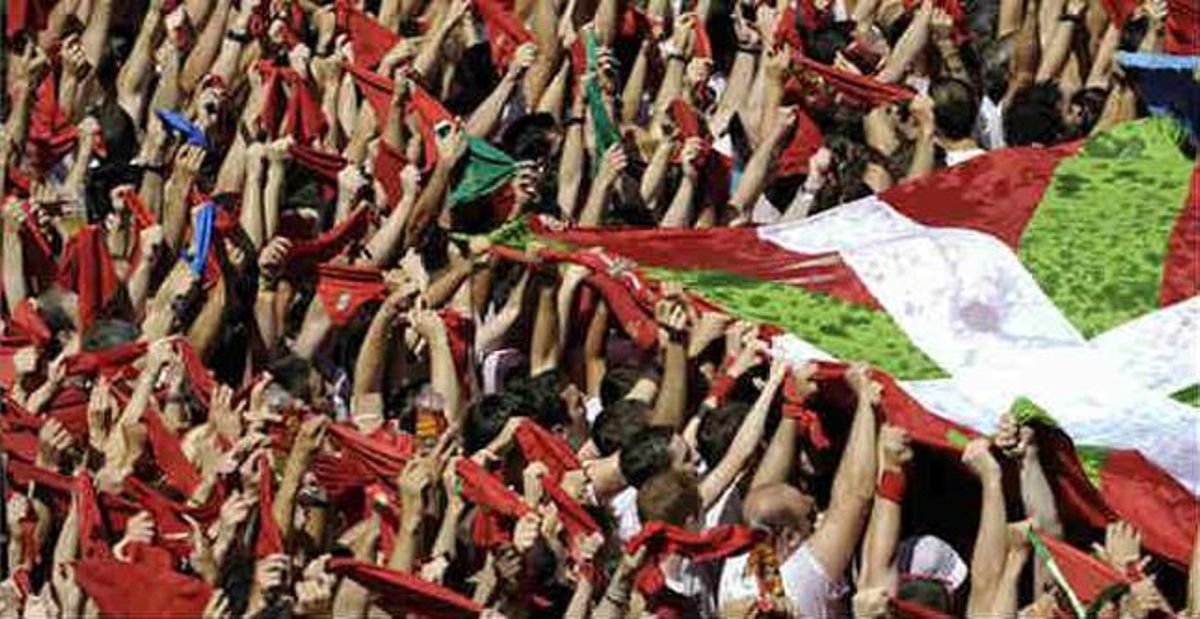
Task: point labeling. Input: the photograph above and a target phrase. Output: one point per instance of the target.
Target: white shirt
(955, 157)
(624, 509)
(814, 594)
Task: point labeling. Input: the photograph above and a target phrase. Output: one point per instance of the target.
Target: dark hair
(717, 429)
(486, 417)
(955, 107)
(617, 383)
(993, 69)
(1091, 104)
(1034, 117)
(530, 137)
(108, 333)
(926, 592)
(617, 423)
(540, 397)
(669, 497)
(646, 454)
(291, 372)
(824, 44)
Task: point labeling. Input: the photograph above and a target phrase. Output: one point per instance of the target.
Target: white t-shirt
(955, 157)
(624, 509)
(814, 594)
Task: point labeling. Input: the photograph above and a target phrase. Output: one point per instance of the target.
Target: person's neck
(606, 478)
(959, 144)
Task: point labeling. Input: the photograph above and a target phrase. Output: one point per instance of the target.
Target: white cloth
(955, 157)
(989, 126)
(624, 510)
(813, 593)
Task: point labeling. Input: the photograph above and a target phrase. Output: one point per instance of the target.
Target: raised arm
(883, 530)
(745, 441)
(671, 404)
(833, 543)
(991, 540)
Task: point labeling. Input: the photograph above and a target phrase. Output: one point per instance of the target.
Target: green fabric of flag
(487, 169)
(602, 124)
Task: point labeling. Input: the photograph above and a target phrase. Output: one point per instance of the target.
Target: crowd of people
(266, 352)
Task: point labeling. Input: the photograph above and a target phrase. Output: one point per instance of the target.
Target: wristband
(721, 387)
(891, 486)
(749, 49)
(239, 37)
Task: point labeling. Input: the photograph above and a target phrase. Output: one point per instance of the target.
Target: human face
(684, 459)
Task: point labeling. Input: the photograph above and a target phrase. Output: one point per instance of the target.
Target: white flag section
(964, 298)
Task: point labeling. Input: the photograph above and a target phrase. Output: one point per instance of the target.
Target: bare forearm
(672, 397)
(207, 326)
(883, 532)
(671, 85)
(741, 448)
(754, 177)
(1056, 53)
(570, 169)
(631, 96)
(581, 600)
(543, 346)
(95, 35)
(251, 215)
(136, 70)
(922, 158)
(679, 215)
(483, 120)
(272, 198)
(206, 49)
(776, 463)
(656, 172)
(990, 543)
(855, 478)
(15, 288)
(741, 77)
(910, 44)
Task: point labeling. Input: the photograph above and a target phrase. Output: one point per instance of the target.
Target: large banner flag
(1061, 278)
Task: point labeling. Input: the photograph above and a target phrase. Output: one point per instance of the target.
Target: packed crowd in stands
(266, 351)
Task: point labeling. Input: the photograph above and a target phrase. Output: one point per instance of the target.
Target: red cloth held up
(326, 165)
(430, 112)
(343, 290)
(486, 490)
(140, 589)
(809, 421)
(806, 140)
(87, 268)
(304, 254)
(370, 41)
(505, 32)
(269, 541)
(296, 113)
(93, 541)
(389, 165)
(662, 540)
(702, 45)
(52, 135)
(575, 519)
(540, 445)
(106, 361)
(401, 593)
(26, 321)
(859, 89)
(384, 458)
(198, 374)
(27, 16)
(168, 454)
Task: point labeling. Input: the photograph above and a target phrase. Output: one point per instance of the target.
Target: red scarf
(141, 589)
(343, 290)
(168, 454)
(106, 361)
(270, 540)
(374, 454)
(27, 16)
(325, 165)
(809, 422)
(93, 540)
(304, 254)
(540, 445)
(52, 135)
(662, 540)
(858, 89)
(302, 116)
(370, 41)
(495, 501)
(26, 321)
(575, 519)
(805, 142)
(87, 269)
(389, 165)
(401, 593)
(378, 91)
(505, 32)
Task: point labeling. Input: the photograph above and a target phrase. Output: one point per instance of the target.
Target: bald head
(778, 506)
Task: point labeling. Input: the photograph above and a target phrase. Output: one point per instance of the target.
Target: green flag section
(1188, 395)
(1087, 582)
(1099, 238)
(1108, 227)
(845, 330)
(485, 170)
